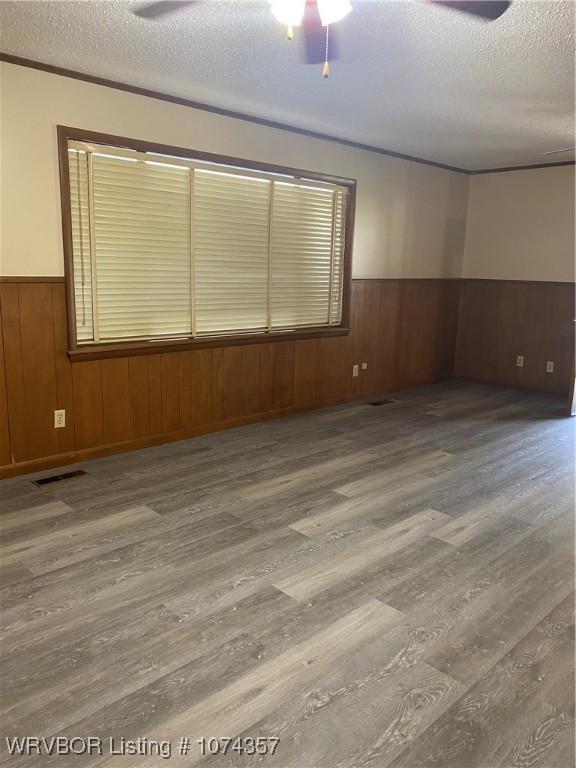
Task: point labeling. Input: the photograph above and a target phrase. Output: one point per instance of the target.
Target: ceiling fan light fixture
(332, 11)
(288, 12)
(291, 12)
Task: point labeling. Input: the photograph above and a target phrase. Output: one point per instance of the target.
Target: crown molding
(534, 167)
(192, 104)
(9, 58)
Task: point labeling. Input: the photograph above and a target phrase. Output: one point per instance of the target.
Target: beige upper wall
(410, 218)
(521, 225)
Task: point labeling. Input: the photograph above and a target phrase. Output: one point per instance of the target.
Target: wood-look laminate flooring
(385, 586)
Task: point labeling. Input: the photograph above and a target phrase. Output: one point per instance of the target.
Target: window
(166, 246)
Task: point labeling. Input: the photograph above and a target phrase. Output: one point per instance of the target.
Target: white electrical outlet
(550, 366)
(520, 361)
(364, 366)
(59, 419)
(354, 371)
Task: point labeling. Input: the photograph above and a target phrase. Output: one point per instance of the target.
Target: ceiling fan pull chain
(326, 67)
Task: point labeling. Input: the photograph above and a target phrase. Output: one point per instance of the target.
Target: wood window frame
(139, 347)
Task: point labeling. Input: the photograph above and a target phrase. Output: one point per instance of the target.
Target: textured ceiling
(412, 78)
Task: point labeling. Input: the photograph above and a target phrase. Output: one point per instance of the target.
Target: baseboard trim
(494, 383)
(35, 466)
(86, 454)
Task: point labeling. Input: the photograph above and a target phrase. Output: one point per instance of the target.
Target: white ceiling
(412, 77)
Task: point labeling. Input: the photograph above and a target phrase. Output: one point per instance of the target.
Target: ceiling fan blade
(557, 151)
(483, 9)
(163, 8)
(314, 37)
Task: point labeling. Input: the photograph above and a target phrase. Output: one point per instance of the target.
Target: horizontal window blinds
(231, 223)
(80, 220)
(338, 257)
(142, 248)
(163, 249)
(301, 255)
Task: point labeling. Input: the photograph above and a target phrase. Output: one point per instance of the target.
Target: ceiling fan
(316, 18)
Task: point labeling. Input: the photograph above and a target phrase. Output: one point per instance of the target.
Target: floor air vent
(382, 402)
(56, 478)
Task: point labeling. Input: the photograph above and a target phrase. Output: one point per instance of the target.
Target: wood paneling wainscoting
(500, 319)
(405, 330)
(410, 332)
